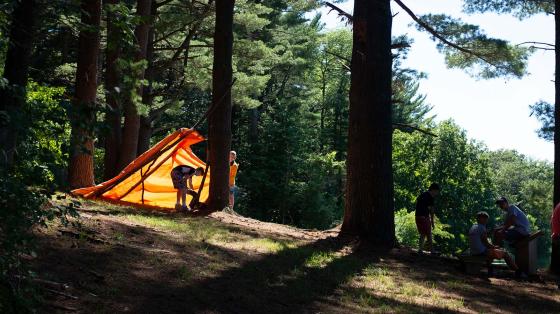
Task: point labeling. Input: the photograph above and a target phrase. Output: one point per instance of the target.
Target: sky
(495, 112)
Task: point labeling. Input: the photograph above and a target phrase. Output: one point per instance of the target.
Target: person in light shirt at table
(480, 246)
(516, 226)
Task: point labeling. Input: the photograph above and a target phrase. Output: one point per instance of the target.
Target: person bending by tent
(182, 181)
(425, 216)
(516, 226)
(233, 166)
(480, 246)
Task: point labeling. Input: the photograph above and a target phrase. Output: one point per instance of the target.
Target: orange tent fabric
(154, 167)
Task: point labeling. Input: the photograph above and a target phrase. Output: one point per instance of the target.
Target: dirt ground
(121, 260)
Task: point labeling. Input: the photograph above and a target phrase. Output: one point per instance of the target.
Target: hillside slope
(124, 260)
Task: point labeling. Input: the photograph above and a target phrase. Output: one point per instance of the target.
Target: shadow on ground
(152, 272)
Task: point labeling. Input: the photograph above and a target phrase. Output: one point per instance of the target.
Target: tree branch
(160, 4)
(400, 45)
(400, 126)
(341, 13)
(338, 56)
(439, 36)
(536, 43)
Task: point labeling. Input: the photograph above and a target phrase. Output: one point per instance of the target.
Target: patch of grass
(194, 229)
(118, 236)
(269, 245)
(208, 231)
(456, 284)
(320, 259)
(184, 273)
(380, 277)
(410, 289)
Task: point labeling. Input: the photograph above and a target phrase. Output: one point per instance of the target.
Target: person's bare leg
(231, 200)
(178, 196)
(510, 262)
(499, 237)
(183, 197)
(421, 243)
(430, 243)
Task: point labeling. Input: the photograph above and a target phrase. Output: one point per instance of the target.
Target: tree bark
(146, 122)
(82, 116)
(145, 134)
(556, 194)
(219, 123)
(369, 211)
(131, 129)
(113, 115)
(16, 68)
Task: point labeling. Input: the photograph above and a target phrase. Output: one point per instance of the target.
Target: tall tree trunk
(556, 194)
(555, 250)
(113, 116)
(146, 122)
(82, 117)
(369, 210)
(144, 134)
(129, 147)
(219, 123)
(18, 58)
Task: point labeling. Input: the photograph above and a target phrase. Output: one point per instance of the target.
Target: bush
(21, 208)
(407, 234)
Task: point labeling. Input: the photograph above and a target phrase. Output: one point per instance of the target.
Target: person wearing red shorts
(425, 216)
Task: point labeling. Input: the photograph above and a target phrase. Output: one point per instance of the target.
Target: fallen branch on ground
(58, 285)
(62, 294)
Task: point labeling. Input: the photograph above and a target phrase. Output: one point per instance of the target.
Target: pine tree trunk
(556, 194)
(369, 211)
(555, 250)
(113, 117)
(146, 122)
(129, 147)
(82, 117)
(18, 58)
(145, 134)
(219, 123)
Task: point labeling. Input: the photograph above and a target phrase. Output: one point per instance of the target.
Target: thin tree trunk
(146, 122)
(219, 123)
(369, 211)
(556, 194)
(145, 134)
(129, 147)
(82, 117)
(18, 58)
(253, 126)
(113, 116)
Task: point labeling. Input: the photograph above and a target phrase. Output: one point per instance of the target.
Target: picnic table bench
(525, 257)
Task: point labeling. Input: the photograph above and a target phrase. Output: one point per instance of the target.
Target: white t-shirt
(475, 239)
(521, 221)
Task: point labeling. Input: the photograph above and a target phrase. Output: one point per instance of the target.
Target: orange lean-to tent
(147, 181)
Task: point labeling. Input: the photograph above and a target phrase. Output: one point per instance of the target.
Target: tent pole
(202, 182)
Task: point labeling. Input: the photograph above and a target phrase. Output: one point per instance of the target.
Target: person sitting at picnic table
(425, 216)
(480, 246)
(516, 225)
(182, 181)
